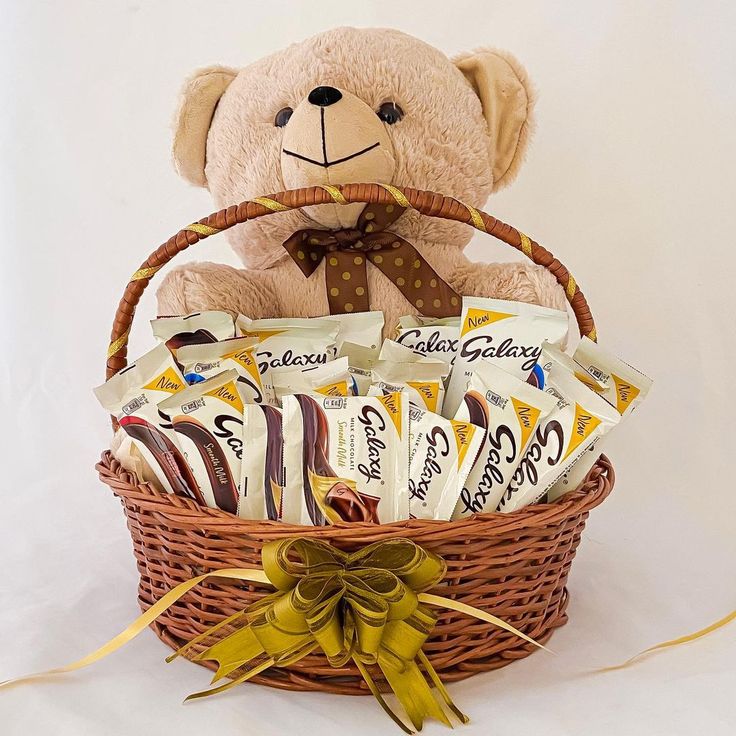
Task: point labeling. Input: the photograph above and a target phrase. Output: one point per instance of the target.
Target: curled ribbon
(346, 251)
(369, 606)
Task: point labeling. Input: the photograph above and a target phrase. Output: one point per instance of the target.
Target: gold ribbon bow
(369, 606)
(346, 251)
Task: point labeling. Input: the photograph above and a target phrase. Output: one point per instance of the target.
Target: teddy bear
(352, 105)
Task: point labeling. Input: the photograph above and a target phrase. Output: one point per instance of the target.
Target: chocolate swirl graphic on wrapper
(224, 487)
(273, 486)
(477, 414)
(328, 497)
(167, 455)
(476, 411)
(197, 337)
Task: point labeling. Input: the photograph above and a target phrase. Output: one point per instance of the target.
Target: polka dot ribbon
(346, 251)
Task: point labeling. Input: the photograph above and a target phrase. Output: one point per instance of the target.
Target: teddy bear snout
(324, 96)
(335, 137)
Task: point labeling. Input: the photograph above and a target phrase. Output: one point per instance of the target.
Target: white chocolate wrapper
(359, 328)
(423, 382)
(330, 379)
(507, 333)
(441, 453)
(289, 343)
(260, 477)
(200, 362)
(345, 459)
(625, 386)
(581, 417)
(208, 420)
(509, 410)
(401, 369)
(360, 360)
(431, 338)
(394, 352)
(576, 473)
(126, 452)
(132, 396)
(262, 328)
(193, 329)
(621, 385)
(552, 355)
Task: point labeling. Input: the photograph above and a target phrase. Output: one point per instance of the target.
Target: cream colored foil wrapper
(360, 362)
(422, 382)
(581, 417)
(509, 411)
(193, 329)
(331, 379)
(132, 396)
(260, 477)
(200, 362)
(359, 328)
(294, 343)
(394, 352)
(625, 386)
(126, 452)
(620, 384)
(552, 355)
(509, 334)
(247, 327)
(208, 421)
(345, 459)
(441, 453)
(401, 369)
(432, 338)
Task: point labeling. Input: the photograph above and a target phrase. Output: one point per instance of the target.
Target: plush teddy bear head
(353, 105)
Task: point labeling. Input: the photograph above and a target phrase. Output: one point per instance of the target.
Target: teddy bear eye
(390, 113)
(282, 117)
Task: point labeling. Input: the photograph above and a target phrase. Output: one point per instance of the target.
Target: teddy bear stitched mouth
(326, 164)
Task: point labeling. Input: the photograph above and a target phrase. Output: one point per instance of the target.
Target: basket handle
(427, 203)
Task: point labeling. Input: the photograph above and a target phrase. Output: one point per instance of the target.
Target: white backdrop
(631, 181)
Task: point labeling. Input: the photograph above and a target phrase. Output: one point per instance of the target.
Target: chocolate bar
(509, 411)
(441, 453)
(131, 396)
(581, 417)
(507, 333)
(345, 459)
(208, 420)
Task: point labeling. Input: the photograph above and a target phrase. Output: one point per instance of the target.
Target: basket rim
(186, 513)
(427, 203)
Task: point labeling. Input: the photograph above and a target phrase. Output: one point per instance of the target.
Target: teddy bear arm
(523, 282)
(196, 287)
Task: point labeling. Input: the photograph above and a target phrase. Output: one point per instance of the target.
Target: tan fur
(199, 99)
(444, 143)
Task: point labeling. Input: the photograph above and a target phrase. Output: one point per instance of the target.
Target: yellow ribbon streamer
(674, 642)
(369, 606)
(142, 622)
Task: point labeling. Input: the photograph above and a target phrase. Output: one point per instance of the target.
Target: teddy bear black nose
(324, 96)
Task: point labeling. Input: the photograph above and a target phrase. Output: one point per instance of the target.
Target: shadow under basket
(514, 566)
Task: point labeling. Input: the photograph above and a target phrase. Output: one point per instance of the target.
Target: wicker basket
(512, 565)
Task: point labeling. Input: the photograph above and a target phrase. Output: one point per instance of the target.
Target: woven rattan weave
(512, 565)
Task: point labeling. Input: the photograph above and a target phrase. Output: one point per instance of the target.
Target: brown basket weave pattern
(514, 566)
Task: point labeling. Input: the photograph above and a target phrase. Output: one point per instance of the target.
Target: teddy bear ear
(201, 93)
(507, 98)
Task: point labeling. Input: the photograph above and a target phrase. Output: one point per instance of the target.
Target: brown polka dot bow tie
(345, 253)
